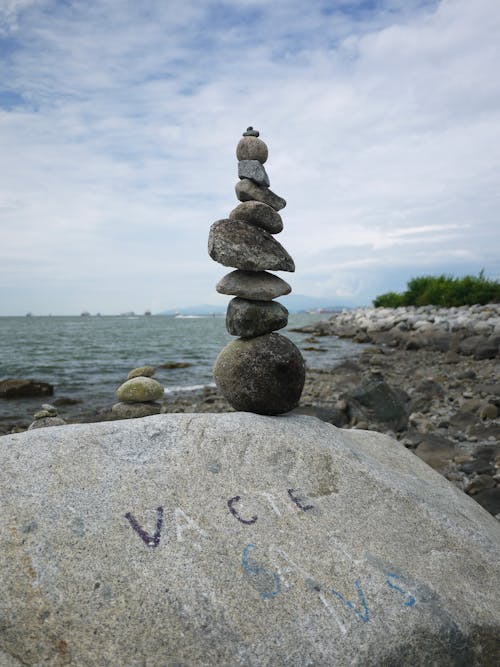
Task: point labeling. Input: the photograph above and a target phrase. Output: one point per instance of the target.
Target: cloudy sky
(119, 121)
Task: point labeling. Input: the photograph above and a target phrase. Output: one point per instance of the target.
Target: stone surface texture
(253, 170)
(247, 190)
(259, 214)
(263, 375)
(235, 243)
(134, 410)
(253, 285)
(251, 148)
(141, 371)
(139, 389)
(248, 318)
(223, 540)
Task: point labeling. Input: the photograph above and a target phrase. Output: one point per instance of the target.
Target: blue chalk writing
(362, 615)
(253, 568)
(411, 600)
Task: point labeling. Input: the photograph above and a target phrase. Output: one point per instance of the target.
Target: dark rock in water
(248, 319)
(253, 170)
(175, 364)
(258, 214)
(251, 148)
(66, 400)
(258, 285)
(247, 190)
(235, 243)
(375, 400)
(21, 388)
(263, 375)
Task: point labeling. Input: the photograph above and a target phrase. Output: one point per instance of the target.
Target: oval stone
(264, 375)
(258, 285)
(258, 214)
(139, 389)
(142, 371)
(248, 319)
(234, 243)
(247, 190)
(251, 148)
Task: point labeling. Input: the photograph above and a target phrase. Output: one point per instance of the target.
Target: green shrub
(443, 291)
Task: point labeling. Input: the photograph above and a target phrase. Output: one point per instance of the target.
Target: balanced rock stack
(47, 416)
(261, 371)
(138, 395)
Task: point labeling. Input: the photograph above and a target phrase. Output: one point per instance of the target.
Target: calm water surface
(88, 357)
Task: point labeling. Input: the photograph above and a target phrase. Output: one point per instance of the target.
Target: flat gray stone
(232, 539)
(248, 318)
(251, 148)
(253, 170)
(263, 375)
(258, 285)
(235, 243)
(259, 214)
(139, 389)
(247, 190)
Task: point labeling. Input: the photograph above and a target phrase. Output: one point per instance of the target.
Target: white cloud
(383, 129)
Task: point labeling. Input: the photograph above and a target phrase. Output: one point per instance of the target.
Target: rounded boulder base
(264, 375)
(139, 389)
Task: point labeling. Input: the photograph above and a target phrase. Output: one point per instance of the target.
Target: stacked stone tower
(262, 371)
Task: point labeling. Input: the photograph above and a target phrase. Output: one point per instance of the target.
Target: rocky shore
(427, 376)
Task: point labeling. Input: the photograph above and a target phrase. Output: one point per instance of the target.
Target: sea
(87, 358)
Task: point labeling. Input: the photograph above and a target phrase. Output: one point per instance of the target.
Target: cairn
(262, 371)
(47, 416)
(138, 395)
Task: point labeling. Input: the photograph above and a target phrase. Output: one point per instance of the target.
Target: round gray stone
(249, 319)
(135, 410)
(263, 375)
(251, 148)
(235, 243)
(139, 389)
(253, 170)
(258, 214)
(141, 371)
(247, 190)
(258, 285)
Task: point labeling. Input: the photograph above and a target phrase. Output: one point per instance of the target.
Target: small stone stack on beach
(261, 371)
(138, 395)
(47, 416)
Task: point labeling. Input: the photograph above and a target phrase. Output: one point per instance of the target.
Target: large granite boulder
(235, 539)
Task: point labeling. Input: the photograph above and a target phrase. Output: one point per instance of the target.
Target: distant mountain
(296, 303)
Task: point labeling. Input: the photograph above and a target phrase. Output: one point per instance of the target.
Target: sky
(119, 122)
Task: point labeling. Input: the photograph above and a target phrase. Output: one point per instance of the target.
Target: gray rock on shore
(247, 190)
(248, 318)
(258, 214)
(235, 539)
(258, 285)
(139, 389)
(237, 244)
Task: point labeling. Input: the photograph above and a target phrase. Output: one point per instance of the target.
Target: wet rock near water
(15, 388)
(140, 389)
(45, 417)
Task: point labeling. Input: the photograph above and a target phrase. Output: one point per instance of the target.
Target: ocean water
(87, 358)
